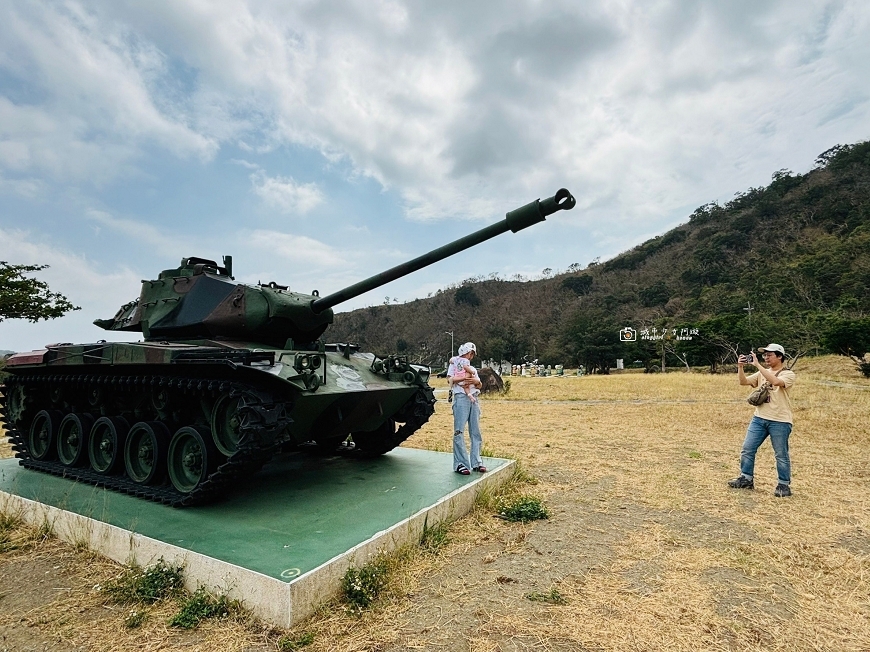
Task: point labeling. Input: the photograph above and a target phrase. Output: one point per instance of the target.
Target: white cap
(773, 347)
(467, 347)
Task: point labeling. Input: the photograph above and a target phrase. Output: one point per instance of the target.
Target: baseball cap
(465, 348)
(773, 347)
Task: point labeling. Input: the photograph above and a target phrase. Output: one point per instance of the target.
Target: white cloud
(136, 231)
(286, 194)
(95, 93)
(301, 251)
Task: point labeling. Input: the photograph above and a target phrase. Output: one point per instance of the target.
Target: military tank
(226, 375)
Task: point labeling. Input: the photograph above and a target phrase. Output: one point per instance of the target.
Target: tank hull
(185, 423)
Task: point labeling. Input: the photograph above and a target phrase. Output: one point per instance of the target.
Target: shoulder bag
(761, 393)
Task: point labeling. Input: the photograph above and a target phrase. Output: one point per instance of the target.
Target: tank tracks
(263, 420)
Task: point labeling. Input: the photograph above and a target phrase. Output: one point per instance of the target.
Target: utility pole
(749, 310)
(450, 333)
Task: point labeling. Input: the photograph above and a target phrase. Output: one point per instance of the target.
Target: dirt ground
(646, 545)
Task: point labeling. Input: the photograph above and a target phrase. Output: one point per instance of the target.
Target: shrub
(522, 509)
(362, 586)
(145, 585)
(200, 606)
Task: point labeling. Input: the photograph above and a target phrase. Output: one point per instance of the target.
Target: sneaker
(782, 490)
(741, 482)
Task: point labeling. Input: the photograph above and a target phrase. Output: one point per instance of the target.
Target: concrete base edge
(282, 603)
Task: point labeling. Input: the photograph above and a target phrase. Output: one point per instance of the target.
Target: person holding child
(464, 386)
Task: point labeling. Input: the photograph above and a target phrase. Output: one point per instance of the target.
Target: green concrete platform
(282, 542)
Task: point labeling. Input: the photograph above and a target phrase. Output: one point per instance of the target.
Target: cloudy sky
(322, 142)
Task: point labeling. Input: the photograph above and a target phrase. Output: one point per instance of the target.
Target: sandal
(462, 470)
(479, 469)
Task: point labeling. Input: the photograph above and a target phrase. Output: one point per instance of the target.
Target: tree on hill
(22, 297)
(851, 337)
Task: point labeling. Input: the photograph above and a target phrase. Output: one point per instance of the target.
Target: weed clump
(362, 586)
(434, 538)
(522, 509)
(552, 596)
(201, 606)
(287, 644)
(145, 585)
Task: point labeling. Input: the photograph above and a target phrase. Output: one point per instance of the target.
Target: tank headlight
(315, 362)
(302, 363)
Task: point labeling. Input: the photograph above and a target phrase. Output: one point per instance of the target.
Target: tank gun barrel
(515, 220)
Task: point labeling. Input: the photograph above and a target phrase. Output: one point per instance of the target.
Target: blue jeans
(759, 429)
(464, 411)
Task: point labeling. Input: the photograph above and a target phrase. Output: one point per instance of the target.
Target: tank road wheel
(71, 438)
(379, 441)
(42, 439)
(145, 452)
(226, 424)
(106, 444)
(191, 458)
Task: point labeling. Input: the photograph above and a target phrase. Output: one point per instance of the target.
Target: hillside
(787, 262)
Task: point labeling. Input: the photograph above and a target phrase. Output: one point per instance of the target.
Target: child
(464, 370)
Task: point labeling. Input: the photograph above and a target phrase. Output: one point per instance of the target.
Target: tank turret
(200, 299)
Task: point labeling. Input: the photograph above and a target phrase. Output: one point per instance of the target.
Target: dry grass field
(646, 547)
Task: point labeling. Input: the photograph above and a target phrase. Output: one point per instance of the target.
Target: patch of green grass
(201, 606)
(522, 509)
(434, 538)
(8, 522)
(287, 644)
(145, 585)
(362, 586)
(695, 455)
(552, 597)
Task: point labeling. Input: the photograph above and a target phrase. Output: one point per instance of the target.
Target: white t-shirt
(453, 369)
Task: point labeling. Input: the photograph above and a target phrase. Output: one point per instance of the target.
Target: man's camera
(745, 359)
(627, 334)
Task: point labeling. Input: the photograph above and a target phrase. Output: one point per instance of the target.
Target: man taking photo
(772, 418)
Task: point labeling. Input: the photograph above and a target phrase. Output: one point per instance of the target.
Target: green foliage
(145, 585)
(656, 294)
(201, 606)
(522, 509)
(288, 644)
(552, 597)
(434, 538)
(466, 295)
(362, 586)
(850, 337)
(7, 524)
(577, 284)
(22, 297)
